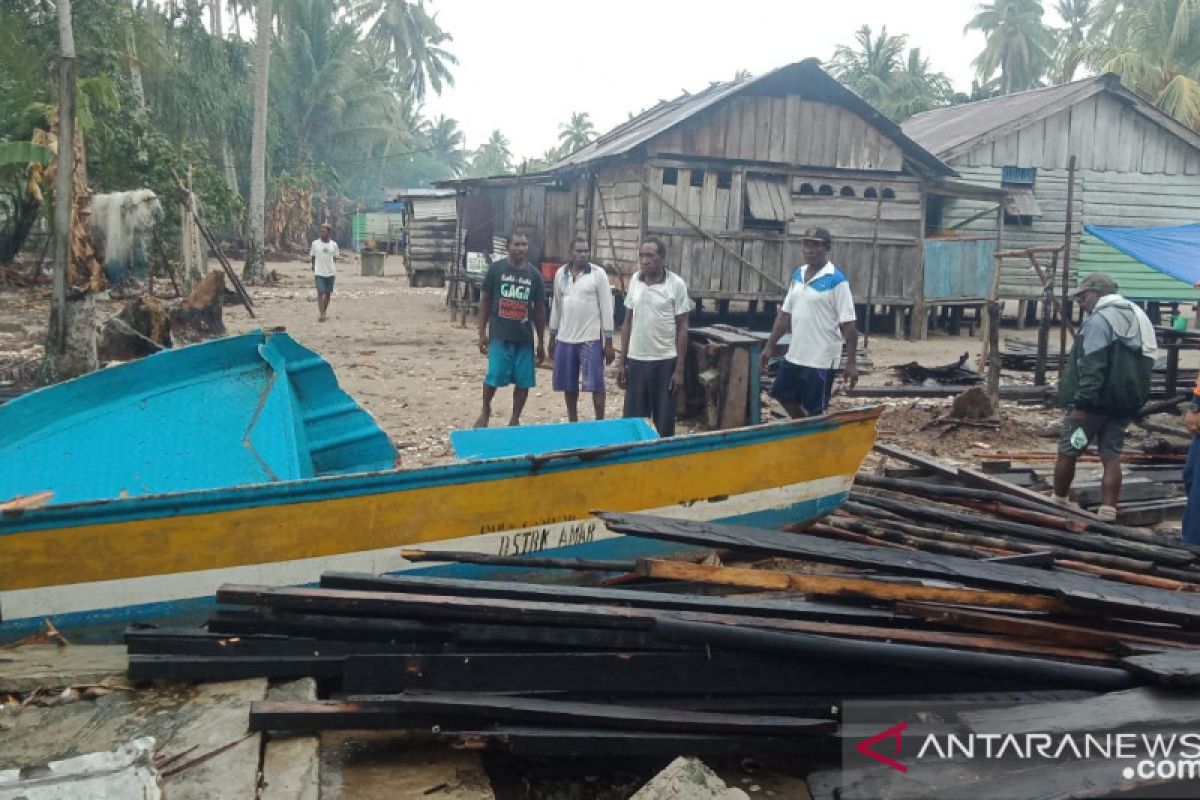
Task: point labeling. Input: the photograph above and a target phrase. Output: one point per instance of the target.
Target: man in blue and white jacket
(819, 313)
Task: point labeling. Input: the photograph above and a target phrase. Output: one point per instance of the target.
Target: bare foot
(321, 318)
(482, 422)
(514, 422)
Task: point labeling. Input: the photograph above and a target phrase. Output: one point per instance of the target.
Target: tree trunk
(258, 146)
(214, 19)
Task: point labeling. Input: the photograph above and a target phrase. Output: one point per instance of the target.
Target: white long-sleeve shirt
(582, 310)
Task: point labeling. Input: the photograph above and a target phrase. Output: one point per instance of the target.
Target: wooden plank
(1005, 151)
(708, 203)
(1043, 672)
(777, 132)
(719, 121)
(626, 673)
(1081, 590)
(808, 138)
(829, 120)
(748, 143)
(394, 711)
(733, 129)
(1170, 667)
(514, 590)
(844, 157)
(762, 133)
(1056, 137)
(1030, 142)
(734, 219)
(793, 135)
(849, 587)
(1108, 712)
(1032, 629)
(1176, 157)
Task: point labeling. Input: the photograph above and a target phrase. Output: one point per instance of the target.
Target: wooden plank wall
(1129, 171)
(782, 130)
(711, 269)
(1102, 134)
(617, 222)
(561, 224)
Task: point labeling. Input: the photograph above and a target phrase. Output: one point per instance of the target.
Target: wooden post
(64, 179)
(1066, 267)
(871, 274)
(1039, 373)
(992, 340)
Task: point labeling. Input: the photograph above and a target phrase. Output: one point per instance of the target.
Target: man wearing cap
(321, 255)
(818, 310)
(1104, 382)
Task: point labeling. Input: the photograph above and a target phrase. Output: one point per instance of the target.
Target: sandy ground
(396, 350)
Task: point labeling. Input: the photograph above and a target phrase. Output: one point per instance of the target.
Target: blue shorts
(324, 283)
(510, 362)
(572, 359)
(807, 386)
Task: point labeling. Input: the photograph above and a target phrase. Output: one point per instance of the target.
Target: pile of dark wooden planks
(810, 619)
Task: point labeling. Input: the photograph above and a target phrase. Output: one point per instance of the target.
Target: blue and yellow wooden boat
(240, 460)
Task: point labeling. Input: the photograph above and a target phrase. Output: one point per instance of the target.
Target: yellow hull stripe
(285, 532)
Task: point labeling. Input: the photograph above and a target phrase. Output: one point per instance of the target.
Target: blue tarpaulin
(1172, 250)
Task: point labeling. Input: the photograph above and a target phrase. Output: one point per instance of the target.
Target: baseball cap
(818, 235)
(1100, 282)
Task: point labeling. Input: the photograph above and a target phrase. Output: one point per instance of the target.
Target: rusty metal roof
(807, 76)
(950, 131)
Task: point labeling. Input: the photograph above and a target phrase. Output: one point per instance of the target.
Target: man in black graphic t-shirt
(514, 301)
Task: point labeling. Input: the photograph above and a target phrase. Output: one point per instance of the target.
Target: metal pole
(1066, 264)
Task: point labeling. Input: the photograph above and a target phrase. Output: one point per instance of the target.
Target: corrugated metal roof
(948, 131)
(806, 75)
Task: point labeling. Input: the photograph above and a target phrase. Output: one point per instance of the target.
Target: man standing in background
(654, 339)
(321, 256)
(512, 303)
(581, 329)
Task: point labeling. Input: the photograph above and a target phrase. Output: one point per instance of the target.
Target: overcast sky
(525, 65)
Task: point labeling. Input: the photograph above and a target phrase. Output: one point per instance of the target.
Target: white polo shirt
(654, 307)
(818, 310)
(583, 308)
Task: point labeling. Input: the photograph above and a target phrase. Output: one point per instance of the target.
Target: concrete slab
(48, 666)
(291, 764)
(201, 718)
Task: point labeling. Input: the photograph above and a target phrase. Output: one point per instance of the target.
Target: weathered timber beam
(836, 586)
(1042, 671)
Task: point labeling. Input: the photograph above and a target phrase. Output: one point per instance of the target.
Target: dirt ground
(396, 350)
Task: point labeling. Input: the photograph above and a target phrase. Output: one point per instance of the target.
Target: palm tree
(742, 75)
(256, 224)
(414, 40)
(877, 70)
(1154, 45)
(577, 133)
(868, 68)
(493, 157)
(446, 144)
(916, 88)
(1069, 51)
(1019, 44)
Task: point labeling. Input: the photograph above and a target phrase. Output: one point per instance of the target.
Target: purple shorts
(571, 359)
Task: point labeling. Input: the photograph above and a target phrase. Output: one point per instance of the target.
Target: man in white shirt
(581, 329)
(321, 256)
(819, 312)
(654, 339)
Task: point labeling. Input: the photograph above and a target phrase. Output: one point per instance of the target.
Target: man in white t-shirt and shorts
(654, 339)
(818, 311)
(321, 256)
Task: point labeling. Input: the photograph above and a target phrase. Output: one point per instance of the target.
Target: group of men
(818, 313)
(1105, 380)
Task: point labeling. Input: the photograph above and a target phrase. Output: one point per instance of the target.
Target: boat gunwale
(330, 487)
